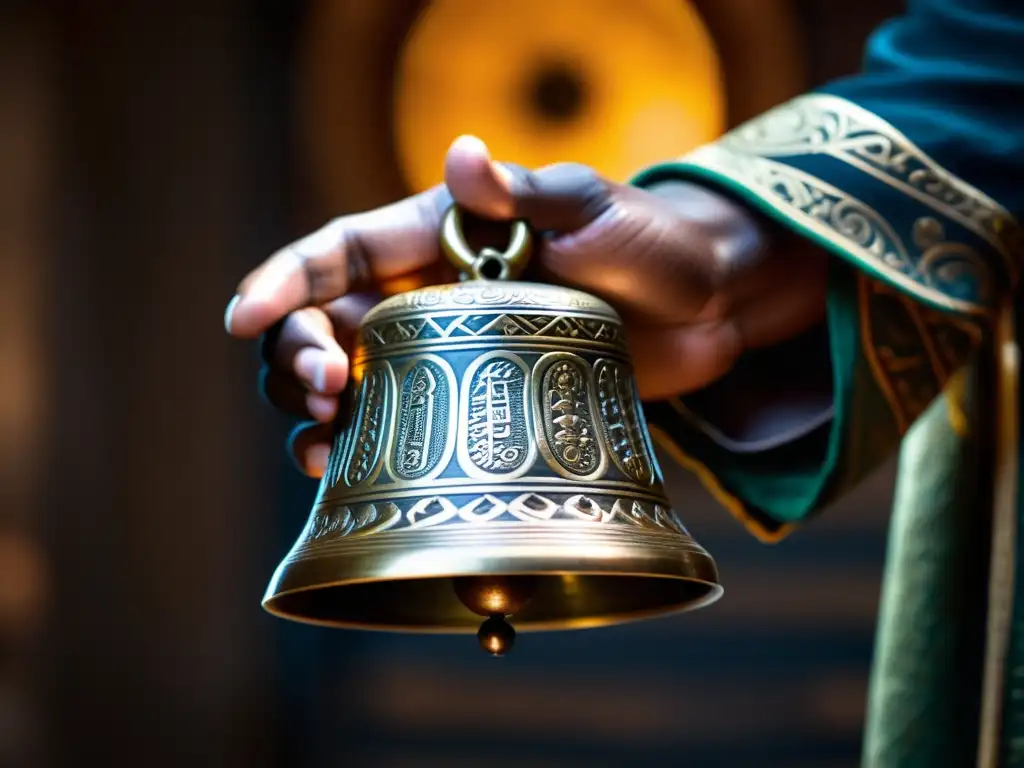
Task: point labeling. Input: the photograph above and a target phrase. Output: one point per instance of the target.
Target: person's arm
(910, 175)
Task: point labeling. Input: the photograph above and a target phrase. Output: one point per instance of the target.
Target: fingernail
(321, 408)
(311, 365)
(316, 459)
(471, 144)
(230, 311)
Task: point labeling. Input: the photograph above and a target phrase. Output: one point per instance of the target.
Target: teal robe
(911, 175)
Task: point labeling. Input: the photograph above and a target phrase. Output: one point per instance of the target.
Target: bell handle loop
(489, 263)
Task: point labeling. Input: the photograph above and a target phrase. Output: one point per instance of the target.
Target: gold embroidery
(873, 356)
(951, 262)
(915, 354)
(829, 125)
(956, 410)
(854, 228)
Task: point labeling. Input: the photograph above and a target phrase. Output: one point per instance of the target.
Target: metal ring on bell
(489, 263)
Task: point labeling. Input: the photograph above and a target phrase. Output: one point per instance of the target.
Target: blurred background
(152, 153)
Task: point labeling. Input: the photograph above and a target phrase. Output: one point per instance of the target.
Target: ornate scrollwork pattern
(940, 239)
(828, 125)
(857, 229)
(334, 521)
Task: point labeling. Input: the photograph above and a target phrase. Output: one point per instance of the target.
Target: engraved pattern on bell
(566, 416)
(618, 402)
(489, 424)
(492, 428)
(425, 423)
(494, 432)
(335, 522)
(369, 427)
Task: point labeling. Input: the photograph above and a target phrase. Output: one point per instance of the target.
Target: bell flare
(578, 579)
(492, 460)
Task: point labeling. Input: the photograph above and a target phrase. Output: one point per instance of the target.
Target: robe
(910, 175)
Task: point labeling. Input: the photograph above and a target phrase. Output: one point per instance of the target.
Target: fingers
(355, 252)
(310, 447)
(350, 253)
(307, 368)
(633, 248)
(476, 181)
(560, 198)
(346, 314)
(307, 364)
(289, 396)
(304, 347)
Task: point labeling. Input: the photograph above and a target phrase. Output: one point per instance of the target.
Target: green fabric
(924, 702)
(896, 172)
(786, 484)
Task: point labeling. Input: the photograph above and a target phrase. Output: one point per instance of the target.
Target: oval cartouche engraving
(334, 463)
(340, 444)
(369, 426)
(621, 422)
(495, 435)
(564, 412)
(424, 427)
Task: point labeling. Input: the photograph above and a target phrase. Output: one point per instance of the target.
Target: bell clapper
(495, 597)
(496, 635)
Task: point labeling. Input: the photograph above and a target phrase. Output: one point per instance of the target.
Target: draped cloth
(911, 176)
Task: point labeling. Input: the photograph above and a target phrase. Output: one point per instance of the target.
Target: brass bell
(493, 461)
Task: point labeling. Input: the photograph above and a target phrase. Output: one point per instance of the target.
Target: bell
(492, 463)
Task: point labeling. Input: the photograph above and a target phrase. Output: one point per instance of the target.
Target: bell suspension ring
(489, 263)
(493, 462)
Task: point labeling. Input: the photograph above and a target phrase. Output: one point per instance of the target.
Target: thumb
(561, 198)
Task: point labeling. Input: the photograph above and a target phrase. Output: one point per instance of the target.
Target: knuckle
(321, 276)
(333, 258)
(563, 197)
(356, 273)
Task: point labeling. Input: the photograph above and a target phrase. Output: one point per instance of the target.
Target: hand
(696, 277)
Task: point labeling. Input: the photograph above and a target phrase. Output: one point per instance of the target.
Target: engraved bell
(493, 461)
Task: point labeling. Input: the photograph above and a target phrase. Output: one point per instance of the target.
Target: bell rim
(713, 594)
(670, 557)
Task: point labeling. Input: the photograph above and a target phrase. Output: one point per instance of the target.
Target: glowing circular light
(615, 85)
